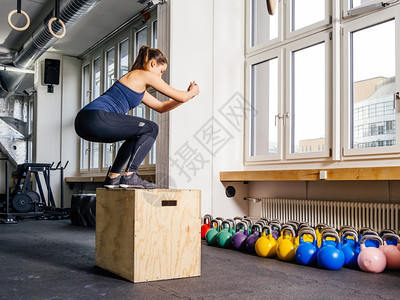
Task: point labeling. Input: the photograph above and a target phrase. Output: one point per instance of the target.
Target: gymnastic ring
(59, 36)
(28, 21)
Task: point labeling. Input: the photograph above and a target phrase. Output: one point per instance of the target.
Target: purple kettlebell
(239, 238)
(276, 229)
(252, 239)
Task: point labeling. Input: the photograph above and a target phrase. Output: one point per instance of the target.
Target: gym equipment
(206, 225)
(249, 224)
(211, 235)
(224, 237)
(306, 252)
(350, 247)
(275, 229)
(391, 251)
(24, 202)
(330, 256)
(285, 248)
(83, 210)
(389, 241)
(239, 238)
(371, 259)
(19, 11)
(266, 244)
(253, 237)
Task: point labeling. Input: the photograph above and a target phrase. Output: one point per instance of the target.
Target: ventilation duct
(71, 11)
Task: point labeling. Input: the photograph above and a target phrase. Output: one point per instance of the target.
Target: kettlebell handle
(242, 224)
(308, 231)
(392, 236)
(268, 228)
(217, 222)
(207, 217)
(258, 226)
(371, 237)
(333, 234)
(286, 228)
(226, 222)
(351, 233)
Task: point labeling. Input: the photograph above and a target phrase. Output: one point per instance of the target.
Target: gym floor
(52, 259)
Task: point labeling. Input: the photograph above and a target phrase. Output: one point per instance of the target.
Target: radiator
(376, 216)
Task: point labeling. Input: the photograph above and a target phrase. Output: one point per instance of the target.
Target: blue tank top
(118, 98)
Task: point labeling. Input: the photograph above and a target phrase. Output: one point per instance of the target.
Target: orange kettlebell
(206, 225)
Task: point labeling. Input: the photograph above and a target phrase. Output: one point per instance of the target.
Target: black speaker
(51, 71)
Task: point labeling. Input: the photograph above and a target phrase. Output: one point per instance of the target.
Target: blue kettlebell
(350, 247)
(330, 256)
(306, 252)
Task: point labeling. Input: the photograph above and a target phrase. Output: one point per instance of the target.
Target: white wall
(207, 44)
(54, 113)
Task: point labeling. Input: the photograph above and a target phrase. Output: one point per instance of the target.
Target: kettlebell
(224, 236)
(329, 239)
(206, 225)
(318, 232)
(211, 235)
(249, 225)
(391, 251)
(266, 244)
(285, 248)
(276, 229)
(350, 247)
(330, 256)
(306, 252)
(388, 241)
(370, 242)
(239, 238)
(253, 237)
(285, 226)
(371, 259)
(307, 237)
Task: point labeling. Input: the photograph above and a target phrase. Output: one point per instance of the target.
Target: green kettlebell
(211, 235)
(224, 237)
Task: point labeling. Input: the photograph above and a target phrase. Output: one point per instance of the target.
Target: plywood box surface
(146, 235)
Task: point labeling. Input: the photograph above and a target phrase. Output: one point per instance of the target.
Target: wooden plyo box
(146, 235)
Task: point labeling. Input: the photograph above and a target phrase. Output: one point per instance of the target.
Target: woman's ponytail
(145, 55)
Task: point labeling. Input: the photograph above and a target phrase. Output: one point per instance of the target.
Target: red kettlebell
(206, 225)
(371, 259)
(391, 251)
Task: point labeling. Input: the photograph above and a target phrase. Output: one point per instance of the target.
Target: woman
(104, 119)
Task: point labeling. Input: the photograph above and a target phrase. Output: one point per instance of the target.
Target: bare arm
(160, 85)
(159, 106)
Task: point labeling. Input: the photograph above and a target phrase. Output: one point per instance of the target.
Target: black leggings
(107, 127)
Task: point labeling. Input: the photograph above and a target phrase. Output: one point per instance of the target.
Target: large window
(288, 82)
(370, 83)
(321, 81)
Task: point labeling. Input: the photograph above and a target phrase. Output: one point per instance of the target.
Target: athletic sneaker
(134, 181)
(111, 183)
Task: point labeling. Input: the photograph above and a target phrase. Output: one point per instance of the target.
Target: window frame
(256, 48)
(307, 29)
(251, 61)
(352, 26)
(323, 37)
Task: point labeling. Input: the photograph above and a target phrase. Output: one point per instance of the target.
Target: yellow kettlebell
(286, 249)
(266, 244)
(283, 230)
